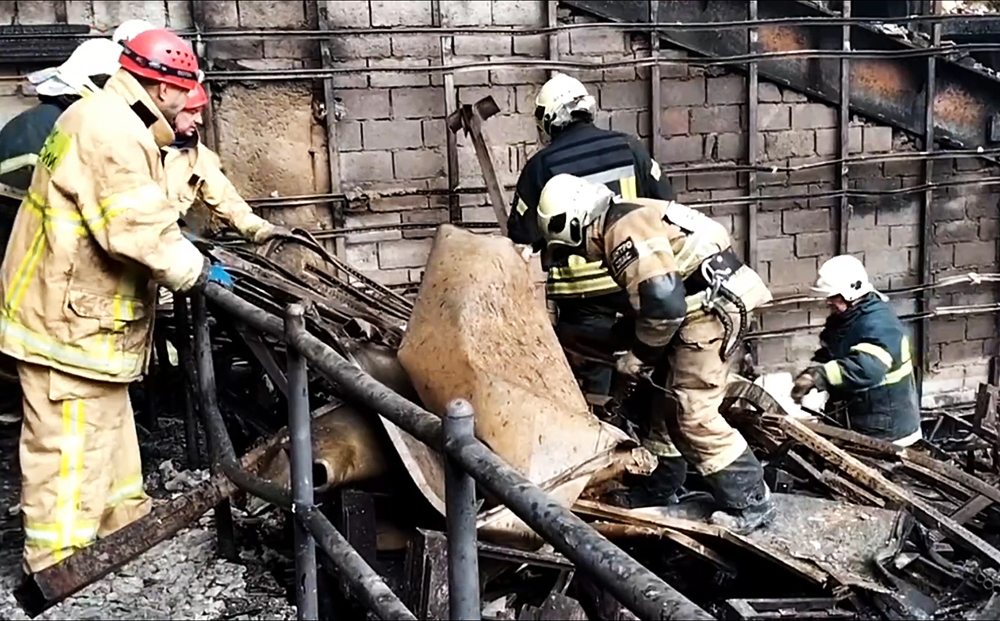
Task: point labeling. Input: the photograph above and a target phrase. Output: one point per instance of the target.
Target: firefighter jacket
(195, 179)
(867, 370)
(94, 231)
(600, 156)
(644, 239)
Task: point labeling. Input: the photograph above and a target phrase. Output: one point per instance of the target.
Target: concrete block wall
(270, 137)
(391, 136)
(393, 133)
(703, 121)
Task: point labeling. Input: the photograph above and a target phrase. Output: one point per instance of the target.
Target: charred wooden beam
(936, 479)
(889, 449)
(849, 490)
(52, 585)
(36, 45)
(615, 530)
(971, 509)
(836, 483)
(870, 477)
(784, 608)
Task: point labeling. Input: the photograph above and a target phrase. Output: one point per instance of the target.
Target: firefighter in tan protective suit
(91, 240)
(195, 177)
(687, 290)
(194, 172)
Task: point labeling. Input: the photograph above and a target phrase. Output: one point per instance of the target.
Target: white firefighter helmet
(845, 276)
(91, 58)
(567, 205)
(128, 30)
(558, 99)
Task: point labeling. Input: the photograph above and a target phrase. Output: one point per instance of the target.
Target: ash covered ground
(181, 578)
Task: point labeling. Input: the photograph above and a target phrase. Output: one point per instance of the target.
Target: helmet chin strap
(543, 138)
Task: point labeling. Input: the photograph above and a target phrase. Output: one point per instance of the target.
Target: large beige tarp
(479, 333)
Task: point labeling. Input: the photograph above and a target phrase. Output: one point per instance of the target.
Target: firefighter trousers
(698, 377)
(80, 467)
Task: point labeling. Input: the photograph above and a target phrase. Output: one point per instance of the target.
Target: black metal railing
(468, 461)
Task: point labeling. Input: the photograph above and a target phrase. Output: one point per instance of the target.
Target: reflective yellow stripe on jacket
(581, 277)
(129, 488)
(905, 367)
(895, 375)
(94, 359)
(18, 162)
(104, 358)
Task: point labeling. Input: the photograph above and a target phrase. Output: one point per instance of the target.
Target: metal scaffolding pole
(460, 514)
(300, 433)
(844, 213)
(635, 586)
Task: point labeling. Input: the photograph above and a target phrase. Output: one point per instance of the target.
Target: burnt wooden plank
(868, 476)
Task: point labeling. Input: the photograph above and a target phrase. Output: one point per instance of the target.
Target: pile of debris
(970, 7)
(865, 529)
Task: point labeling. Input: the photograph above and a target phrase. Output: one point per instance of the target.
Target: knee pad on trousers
(740, 484)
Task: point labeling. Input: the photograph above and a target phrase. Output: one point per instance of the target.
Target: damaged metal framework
(634, 585)
(881, 87)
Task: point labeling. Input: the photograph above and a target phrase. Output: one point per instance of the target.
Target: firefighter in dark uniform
(865, 359)
(585, 295)
(85, 72)
(687, 290)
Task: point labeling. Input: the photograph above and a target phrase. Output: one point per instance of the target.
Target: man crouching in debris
(686, 289)
(194, 175)
(864, 361)
(77, 296)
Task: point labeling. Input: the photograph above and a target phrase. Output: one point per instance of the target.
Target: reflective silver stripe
(609, 176)
(12, 192)
(909, 440)
(18, 162)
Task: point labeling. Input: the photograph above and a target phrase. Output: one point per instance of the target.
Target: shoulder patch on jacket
(145, 114)
(54, 149)
(623, 255)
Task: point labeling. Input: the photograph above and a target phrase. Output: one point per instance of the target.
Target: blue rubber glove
(220, 276)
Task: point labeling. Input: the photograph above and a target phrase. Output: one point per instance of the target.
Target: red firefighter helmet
(197, 98)
(163, 56)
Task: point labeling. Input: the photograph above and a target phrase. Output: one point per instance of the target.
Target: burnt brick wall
(391, 136)
(100, 15)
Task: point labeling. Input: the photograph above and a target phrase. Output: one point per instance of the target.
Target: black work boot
(743, 497)
(745, 521)
(659, 489)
